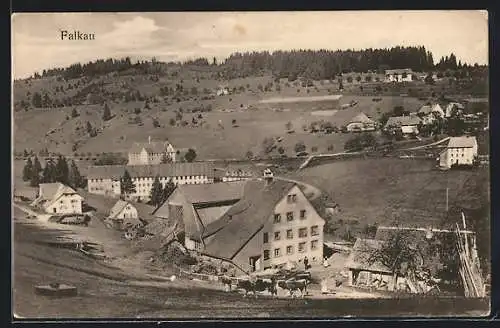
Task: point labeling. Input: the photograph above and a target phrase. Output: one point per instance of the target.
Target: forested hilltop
(312, 64)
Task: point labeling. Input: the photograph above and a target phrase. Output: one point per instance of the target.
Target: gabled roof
(361, 256)
(462, 142)
(402, 120)
(117, 208)
(242, 221)
(176, 169)
(52, 191)
(213, 192)
(398, 71)
(151, 147)
(361, 118)
(427, 109)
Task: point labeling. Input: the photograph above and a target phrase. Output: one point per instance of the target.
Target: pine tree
(127, 185)
(156, 192)
(37, 167)
(49, 172)
(36, 100)
(74, 179)
(35, 180)
(106, 116)
(74, 113)
(167, 190)
(61, 170)
(28, 170)
(89, 128)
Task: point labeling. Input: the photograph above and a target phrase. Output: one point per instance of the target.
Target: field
(385, 190)
(104, 292)
(257, 113)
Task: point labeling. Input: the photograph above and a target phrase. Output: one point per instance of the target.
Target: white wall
(66, 204)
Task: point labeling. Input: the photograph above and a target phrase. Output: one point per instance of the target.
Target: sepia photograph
(250, 165)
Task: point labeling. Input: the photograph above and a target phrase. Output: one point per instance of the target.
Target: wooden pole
(447, 191)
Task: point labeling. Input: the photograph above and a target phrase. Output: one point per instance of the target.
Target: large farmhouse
(57, 198)
(270, 223)
(361, 122)
(406, 124)
(399, 75)
(151, 153)
(106, 179)
(198, 206)
(459, 151)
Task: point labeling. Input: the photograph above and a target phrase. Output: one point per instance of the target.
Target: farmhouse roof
(247, 217)
(361, 118)
(462, 142)
(151, 147)
(117, 208)
(52, 191)
(361, 256)
(213, 192)
(176, 169)
(402, 120)
(398, 71)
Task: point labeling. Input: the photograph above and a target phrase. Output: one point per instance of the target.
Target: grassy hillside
(381, 191)
(126, 95)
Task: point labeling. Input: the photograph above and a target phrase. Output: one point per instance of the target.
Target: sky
(173, 36)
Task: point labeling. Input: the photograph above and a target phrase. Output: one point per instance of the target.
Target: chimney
(268, 176)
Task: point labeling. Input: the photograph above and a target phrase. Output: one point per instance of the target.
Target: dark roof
(360, 257)
(402, 120)
(163, 170)
(242, 221)
(213, 192)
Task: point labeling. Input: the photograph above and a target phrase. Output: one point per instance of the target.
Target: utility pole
(447, 189)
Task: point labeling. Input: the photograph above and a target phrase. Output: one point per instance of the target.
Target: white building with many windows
(459, 151)
(106, 179)
(151, 153)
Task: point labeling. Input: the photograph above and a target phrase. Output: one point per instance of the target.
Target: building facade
(56, 198)
(399, 75)
(460, 151)
(151, 153)
(106, 179)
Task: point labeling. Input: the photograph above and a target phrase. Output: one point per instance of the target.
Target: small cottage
(57, 198)
(123, 215)
(361, 122)
(459, 151)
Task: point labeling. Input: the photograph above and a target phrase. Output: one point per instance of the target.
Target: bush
(300, 147)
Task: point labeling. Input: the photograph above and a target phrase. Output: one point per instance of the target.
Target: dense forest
(313, 64)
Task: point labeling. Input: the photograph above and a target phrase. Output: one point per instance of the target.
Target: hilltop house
(57, 198)
(105, 179)
(459, 151)
(150, 153)
(197, 206)
(361, 122)
(406, 124)
(222, 91)
(235, 172)
(399, 75)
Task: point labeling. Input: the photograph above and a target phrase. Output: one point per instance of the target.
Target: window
(302, 247)
(277, 252)
(266, 237)
(289, 216)
(291, 198)
(314, 244)
(277, 235)
(302, 232)
(289, 234)
(289, 250)
(314, 231)
(277, 218)
(302, 214)
(266, 254)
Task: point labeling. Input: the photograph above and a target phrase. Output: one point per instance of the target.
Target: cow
(259, 285)
(293, 285)
(227, 282)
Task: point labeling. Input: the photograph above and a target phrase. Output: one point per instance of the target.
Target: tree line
(54, 171)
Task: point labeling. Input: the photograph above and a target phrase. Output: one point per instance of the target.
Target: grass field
(383, 190)
(56, 130)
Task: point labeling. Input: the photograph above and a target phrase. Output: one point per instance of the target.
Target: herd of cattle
(293, 282)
